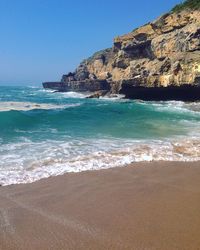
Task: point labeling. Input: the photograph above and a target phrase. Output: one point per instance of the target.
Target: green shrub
(187, 4)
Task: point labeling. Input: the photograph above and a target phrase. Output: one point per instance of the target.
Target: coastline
(108, 156)
(142, 206)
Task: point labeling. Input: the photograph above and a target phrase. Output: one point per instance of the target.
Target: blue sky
(43, 39)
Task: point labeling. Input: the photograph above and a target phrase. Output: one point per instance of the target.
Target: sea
(45, 133)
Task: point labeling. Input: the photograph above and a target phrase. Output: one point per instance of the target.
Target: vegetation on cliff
(188, 4)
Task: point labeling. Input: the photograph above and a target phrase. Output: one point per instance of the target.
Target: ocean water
(44, 134)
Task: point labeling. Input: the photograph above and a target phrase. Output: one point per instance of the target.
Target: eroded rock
(162, 53)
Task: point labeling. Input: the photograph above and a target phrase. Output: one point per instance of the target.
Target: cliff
(162, 53)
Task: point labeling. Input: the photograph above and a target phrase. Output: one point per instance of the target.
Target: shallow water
(44, 133)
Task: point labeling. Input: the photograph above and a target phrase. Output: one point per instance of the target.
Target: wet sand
(144, 206)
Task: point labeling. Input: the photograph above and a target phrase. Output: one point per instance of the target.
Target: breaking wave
(44, 133)
(27, 162)
(26, 106)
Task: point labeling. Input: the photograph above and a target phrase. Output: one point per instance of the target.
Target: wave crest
(26, 106)
(27, 161)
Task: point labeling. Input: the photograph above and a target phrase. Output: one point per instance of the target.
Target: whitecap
(175, 106)
(25, 106)
(113, 97)
(72, 94)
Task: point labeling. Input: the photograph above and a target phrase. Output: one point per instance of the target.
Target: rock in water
(98, 94)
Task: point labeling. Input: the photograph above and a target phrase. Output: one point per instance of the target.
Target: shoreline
(131, 165)
(185, 93)
(152, 205)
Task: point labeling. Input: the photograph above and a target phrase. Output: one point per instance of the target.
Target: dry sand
(143, 206)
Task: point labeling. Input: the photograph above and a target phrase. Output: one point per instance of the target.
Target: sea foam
(25, 106)
(79, 134)
(27, 162)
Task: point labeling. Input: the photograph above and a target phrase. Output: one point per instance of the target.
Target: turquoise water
(44, 133)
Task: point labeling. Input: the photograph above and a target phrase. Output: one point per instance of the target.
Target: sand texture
(145, 206)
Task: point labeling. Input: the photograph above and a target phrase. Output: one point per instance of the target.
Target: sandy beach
(142, 206)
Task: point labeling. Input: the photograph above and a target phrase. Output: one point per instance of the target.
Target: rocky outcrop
(78, 85)
(161, 54)
(97, 94)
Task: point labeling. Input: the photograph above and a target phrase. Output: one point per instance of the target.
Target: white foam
(113, 97)
(72, 94)
(175, 106)
(46, 90)
(27, 161)
(25, 106)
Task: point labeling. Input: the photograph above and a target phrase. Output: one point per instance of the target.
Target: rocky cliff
(163, 53)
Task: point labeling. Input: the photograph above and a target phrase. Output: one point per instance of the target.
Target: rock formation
(163, 53)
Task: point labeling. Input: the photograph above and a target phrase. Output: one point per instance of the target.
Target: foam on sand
(28, 161)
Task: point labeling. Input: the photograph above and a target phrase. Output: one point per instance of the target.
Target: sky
(42, 39)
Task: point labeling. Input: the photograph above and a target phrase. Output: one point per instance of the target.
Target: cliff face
(163, 53)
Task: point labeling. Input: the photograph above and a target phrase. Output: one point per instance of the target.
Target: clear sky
(42, 39)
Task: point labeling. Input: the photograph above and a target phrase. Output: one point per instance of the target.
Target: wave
(72, 94)
(28, 162)
(174, 106)
(101, 134)
(114, 97)
(26, 106)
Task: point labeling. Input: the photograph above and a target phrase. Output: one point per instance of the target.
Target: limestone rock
(163, 53)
